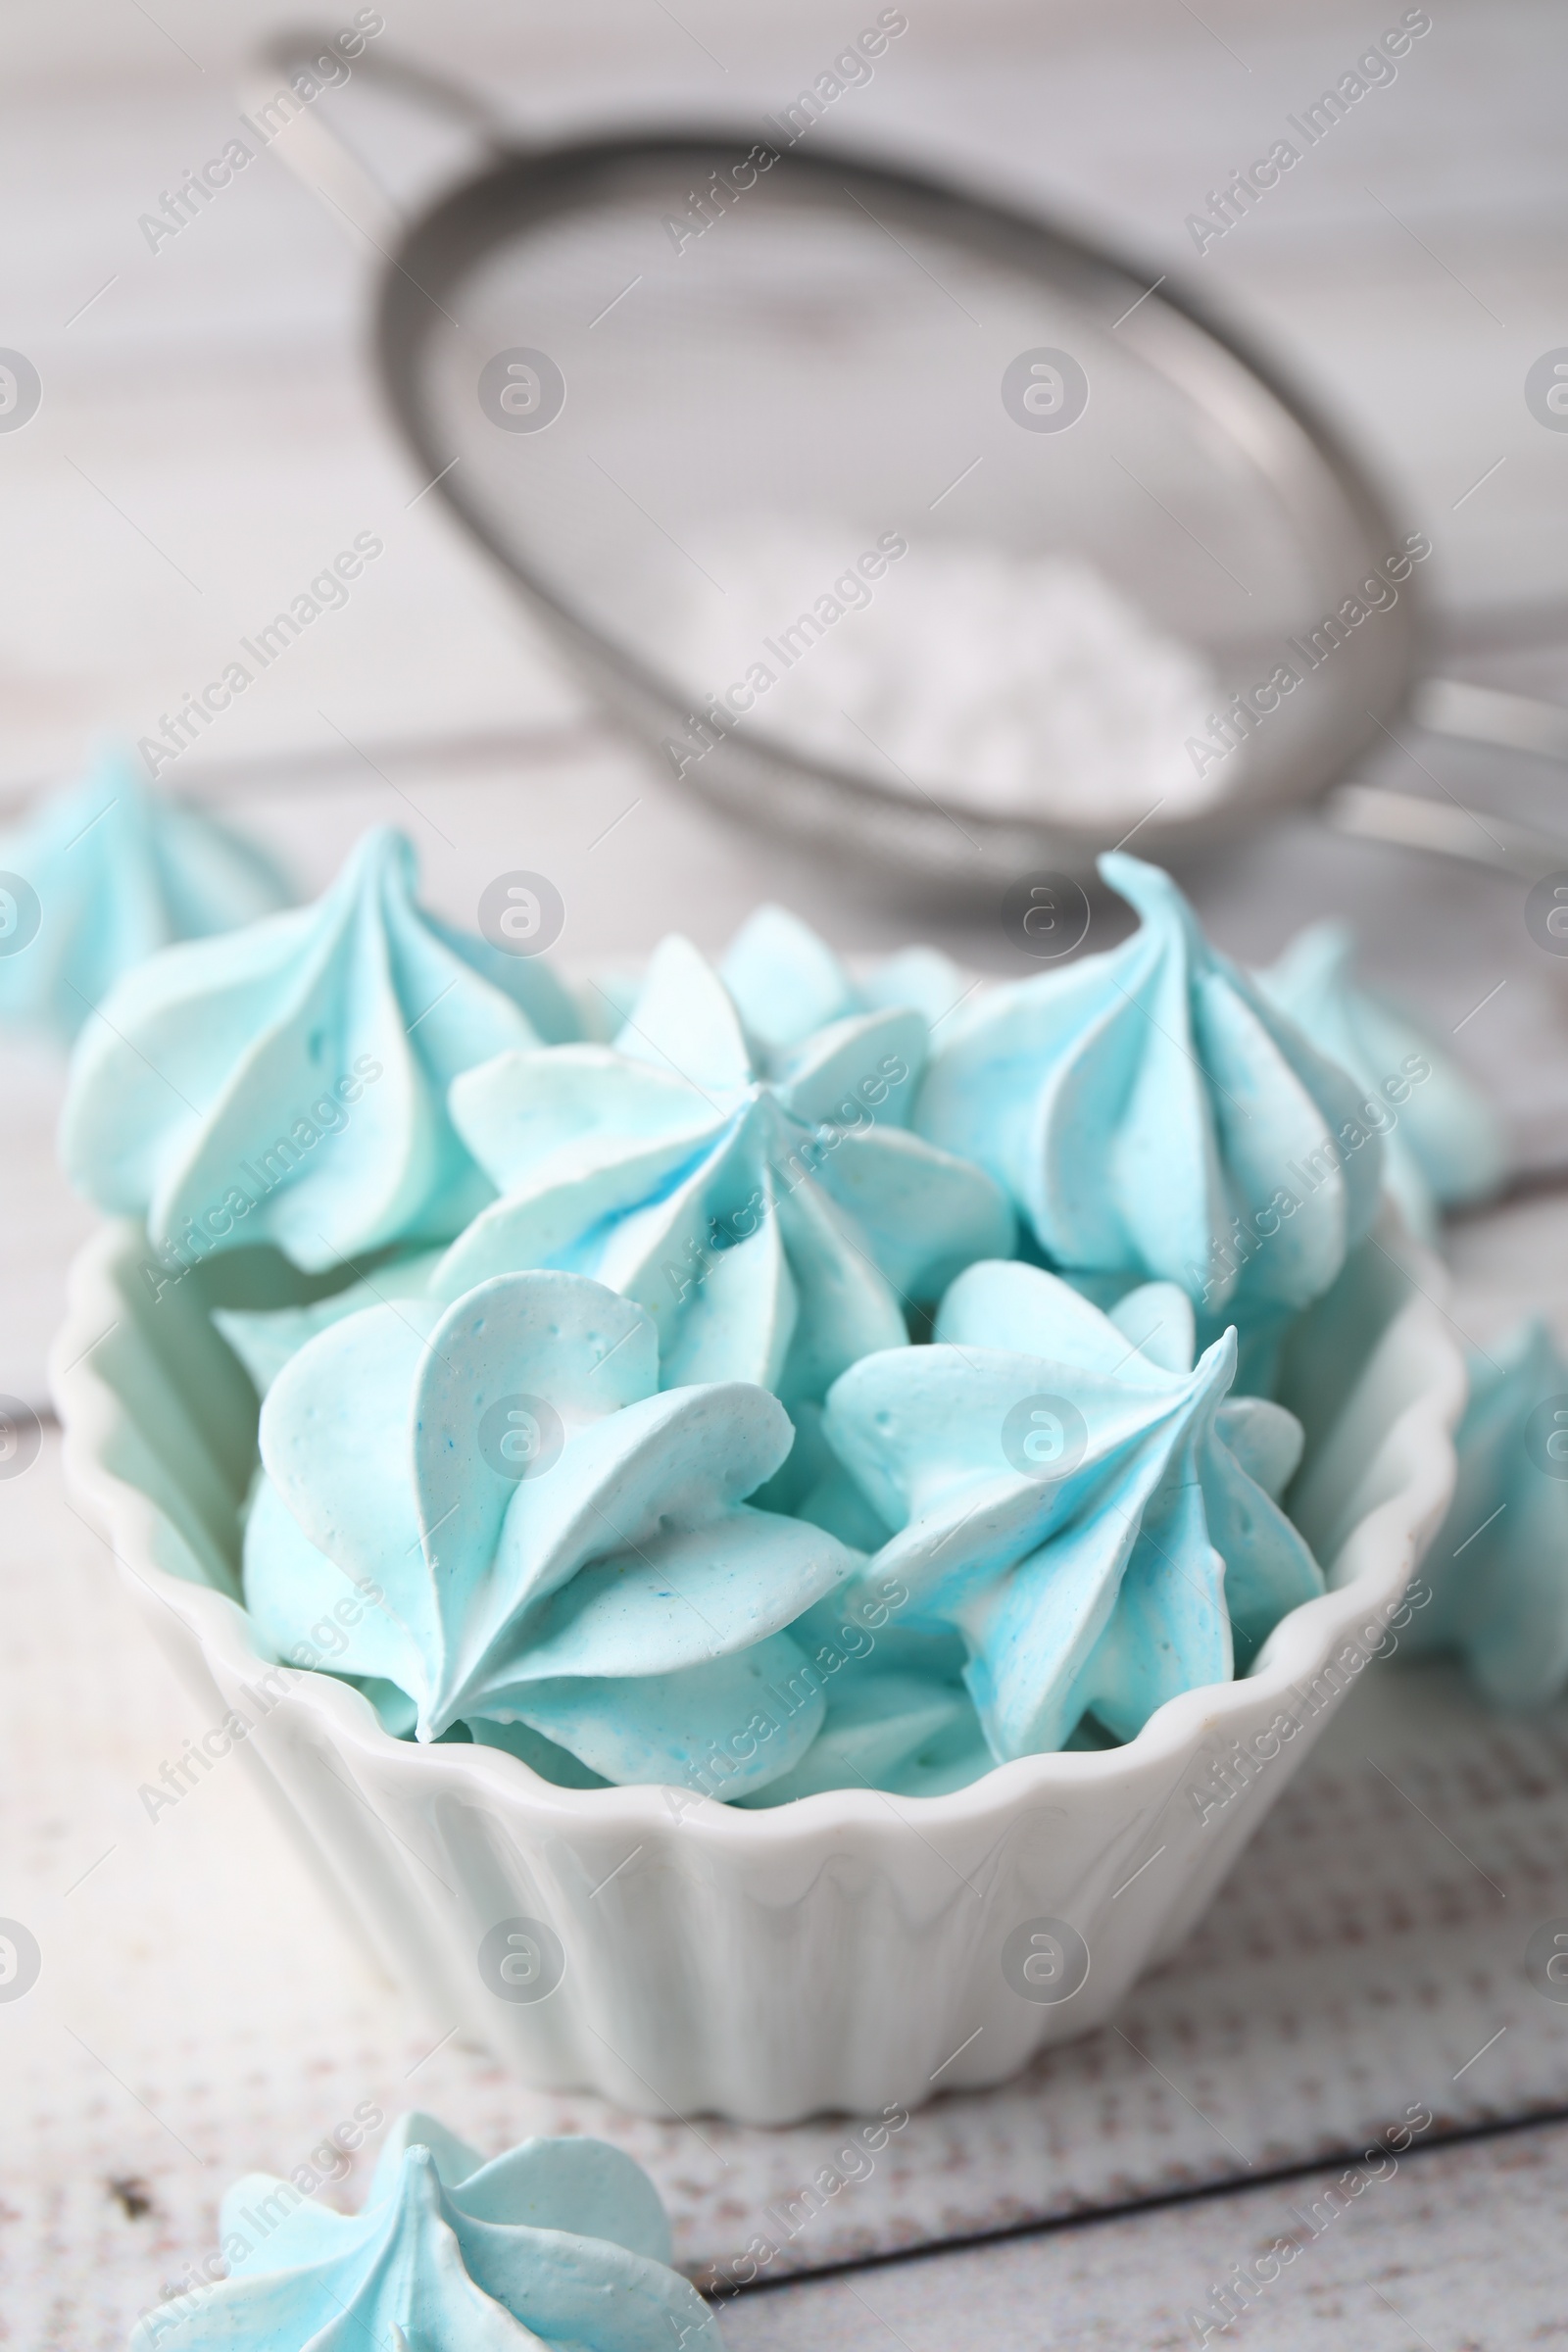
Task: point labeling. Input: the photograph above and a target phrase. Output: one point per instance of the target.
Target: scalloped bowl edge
(828, 1955)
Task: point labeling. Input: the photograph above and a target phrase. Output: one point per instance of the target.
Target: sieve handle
(319, 158)
(1512, 722)
(1506, 723)
(1372, 813)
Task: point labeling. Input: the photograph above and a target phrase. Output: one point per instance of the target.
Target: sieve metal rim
(751, 773)
(887, 826)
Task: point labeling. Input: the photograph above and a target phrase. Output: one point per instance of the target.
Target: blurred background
(210, 434)
(210, 431)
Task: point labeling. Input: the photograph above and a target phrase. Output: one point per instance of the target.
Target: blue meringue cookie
(287, 1083)
(536, 1533)
(786, 982)
(1154, 1116)
(1075, 1497)
(558, 2243)
(672, 1239)
(768, 1207)
(897, 1716)
(265, 1337)
(1443, 1143)
(1497, 1568)
(116, 871)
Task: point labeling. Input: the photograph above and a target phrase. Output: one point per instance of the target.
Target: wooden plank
(1455, 2250)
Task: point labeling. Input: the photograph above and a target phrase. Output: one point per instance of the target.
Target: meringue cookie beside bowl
(537, 1534)
(1155, 1117)
(558, 2242)
(1077, 1498)
(287, 1083)
(770, 1210)
(111, 872)
(1443, 1143)
(1498, 1567)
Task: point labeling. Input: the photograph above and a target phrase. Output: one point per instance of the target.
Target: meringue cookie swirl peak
(211, 1093)
(785, 981)
(1083, 1503)
(546, 1536)
(769, 1209)
(1443, 1143)
(1497, 1568)
(1156, 1117)
(558, 2242)
(116, 871)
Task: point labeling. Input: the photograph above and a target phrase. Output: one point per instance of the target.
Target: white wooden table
(207, 437)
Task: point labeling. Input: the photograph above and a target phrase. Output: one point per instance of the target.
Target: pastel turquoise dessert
(1443, 1143)
(1068, 1492)
(767, 1207)
(898, 1715)
(558, 2243)
(759, 1195)
(538, 1534)
(287, 1083)
(266, 1337)
(1155, 1117)
(116, 871)
(1497, 1568)
(785, 981)
(628, 1454)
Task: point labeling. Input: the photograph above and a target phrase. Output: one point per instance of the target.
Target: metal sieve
(613, 358)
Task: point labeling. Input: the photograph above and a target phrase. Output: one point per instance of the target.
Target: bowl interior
(184, 1429)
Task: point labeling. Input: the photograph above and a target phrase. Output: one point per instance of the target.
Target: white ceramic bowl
(843, 1952)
